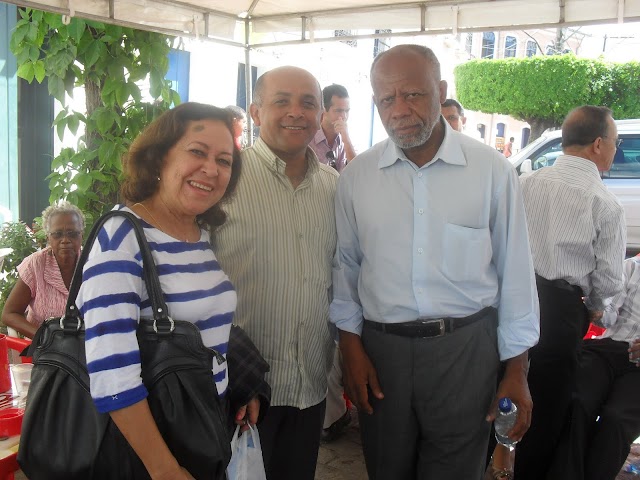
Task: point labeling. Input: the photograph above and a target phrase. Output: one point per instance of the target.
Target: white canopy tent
(251, 24)
(250, 20)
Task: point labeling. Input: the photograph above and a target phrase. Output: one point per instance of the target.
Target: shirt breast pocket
(467, 252)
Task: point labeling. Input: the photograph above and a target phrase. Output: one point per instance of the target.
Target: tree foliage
(110, 62)
(23, 241)
(541, 90)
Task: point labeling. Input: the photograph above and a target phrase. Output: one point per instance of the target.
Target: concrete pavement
(342, 459)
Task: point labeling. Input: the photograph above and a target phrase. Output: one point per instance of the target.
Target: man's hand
(514, 385)
(595, 316)
(634, 352)
(358, 372)
(340, 126)
(248, 414)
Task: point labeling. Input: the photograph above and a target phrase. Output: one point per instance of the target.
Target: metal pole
(248, 80)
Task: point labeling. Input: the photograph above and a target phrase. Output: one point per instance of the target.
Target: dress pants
(437, 392)
(290, 439)
(608, 387)
(552, 376)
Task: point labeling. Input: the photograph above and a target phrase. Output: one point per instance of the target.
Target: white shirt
(622, 316)
(576, 228)
(446, 239)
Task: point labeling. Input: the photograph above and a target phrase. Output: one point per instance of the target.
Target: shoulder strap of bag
(162, 321)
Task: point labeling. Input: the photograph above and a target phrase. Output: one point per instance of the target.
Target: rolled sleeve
(607, 278)
(519, 309)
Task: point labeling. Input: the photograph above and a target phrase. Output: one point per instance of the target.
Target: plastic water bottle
(633, 468)
(506, 419)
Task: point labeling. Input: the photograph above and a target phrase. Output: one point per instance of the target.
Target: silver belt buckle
(439, 321)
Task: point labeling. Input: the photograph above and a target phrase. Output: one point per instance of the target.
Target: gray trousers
(437, 392)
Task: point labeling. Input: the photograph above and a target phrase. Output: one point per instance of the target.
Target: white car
(623, 179)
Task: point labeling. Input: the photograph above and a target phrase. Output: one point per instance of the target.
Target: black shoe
(336, 429)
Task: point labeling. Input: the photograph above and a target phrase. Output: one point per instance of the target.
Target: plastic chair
(9, 465)
(594, 331)
(19, 344)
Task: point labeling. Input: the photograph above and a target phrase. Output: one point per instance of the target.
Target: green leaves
(112, 63)
(543, 89)
(21, 239)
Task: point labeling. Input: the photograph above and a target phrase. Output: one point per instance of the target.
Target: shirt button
(419, 174)
(420, 250)
(421, 211)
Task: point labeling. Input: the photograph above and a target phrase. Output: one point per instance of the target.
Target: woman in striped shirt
(177, 174)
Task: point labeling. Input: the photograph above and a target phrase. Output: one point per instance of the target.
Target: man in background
(508, 148)
(332, 143)
(239, 123)
(608, 387)
(453, 113)
(578, 236)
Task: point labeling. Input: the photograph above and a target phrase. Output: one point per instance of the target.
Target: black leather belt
(560, 284)
(427, 327)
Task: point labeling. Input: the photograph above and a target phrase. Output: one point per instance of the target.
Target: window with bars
(532, 48)
(380, 44)
(345, 33)
(510, 47)
(468, 44)
(488, 44)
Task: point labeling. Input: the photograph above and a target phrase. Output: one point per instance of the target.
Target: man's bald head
(279, 72)
(287, 106)
(590, 132)
(584, 124)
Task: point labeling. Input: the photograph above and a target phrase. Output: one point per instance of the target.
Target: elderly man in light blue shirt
(433, 283)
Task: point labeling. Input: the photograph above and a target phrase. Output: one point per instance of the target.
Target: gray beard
(412, 141)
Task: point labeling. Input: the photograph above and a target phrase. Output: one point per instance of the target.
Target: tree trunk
(92, 101)
(538, 126)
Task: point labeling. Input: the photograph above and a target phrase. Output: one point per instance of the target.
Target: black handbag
(63, 435)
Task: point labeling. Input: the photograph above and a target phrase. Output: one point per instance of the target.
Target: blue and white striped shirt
(113, 297)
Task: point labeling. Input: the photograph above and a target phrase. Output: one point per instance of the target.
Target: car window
(626, 162)
(545, 157)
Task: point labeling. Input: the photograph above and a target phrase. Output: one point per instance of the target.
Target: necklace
(158, 224)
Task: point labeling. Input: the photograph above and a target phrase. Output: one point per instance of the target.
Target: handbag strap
(163, 323)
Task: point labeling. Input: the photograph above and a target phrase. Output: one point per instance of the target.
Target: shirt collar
(321, 137)
(277, 165)
(450, 150)
(52, 274)
(576, 162)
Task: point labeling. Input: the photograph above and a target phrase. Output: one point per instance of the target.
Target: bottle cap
(504, 404)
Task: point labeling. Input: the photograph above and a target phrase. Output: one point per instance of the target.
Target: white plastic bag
(246, 456)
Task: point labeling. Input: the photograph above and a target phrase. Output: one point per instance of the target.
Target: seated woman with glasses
(44, 276)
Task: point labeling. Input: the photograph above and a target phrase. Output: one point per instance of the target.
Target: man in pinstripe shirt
(577, 235)
(277, 246)
(608, 386)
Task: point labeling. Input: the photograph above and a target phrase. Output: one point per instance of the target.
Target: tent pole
(248, 79)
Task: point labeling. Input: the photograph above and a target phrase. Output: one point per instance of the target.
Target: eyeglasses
(70, 234)
(617, 141)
